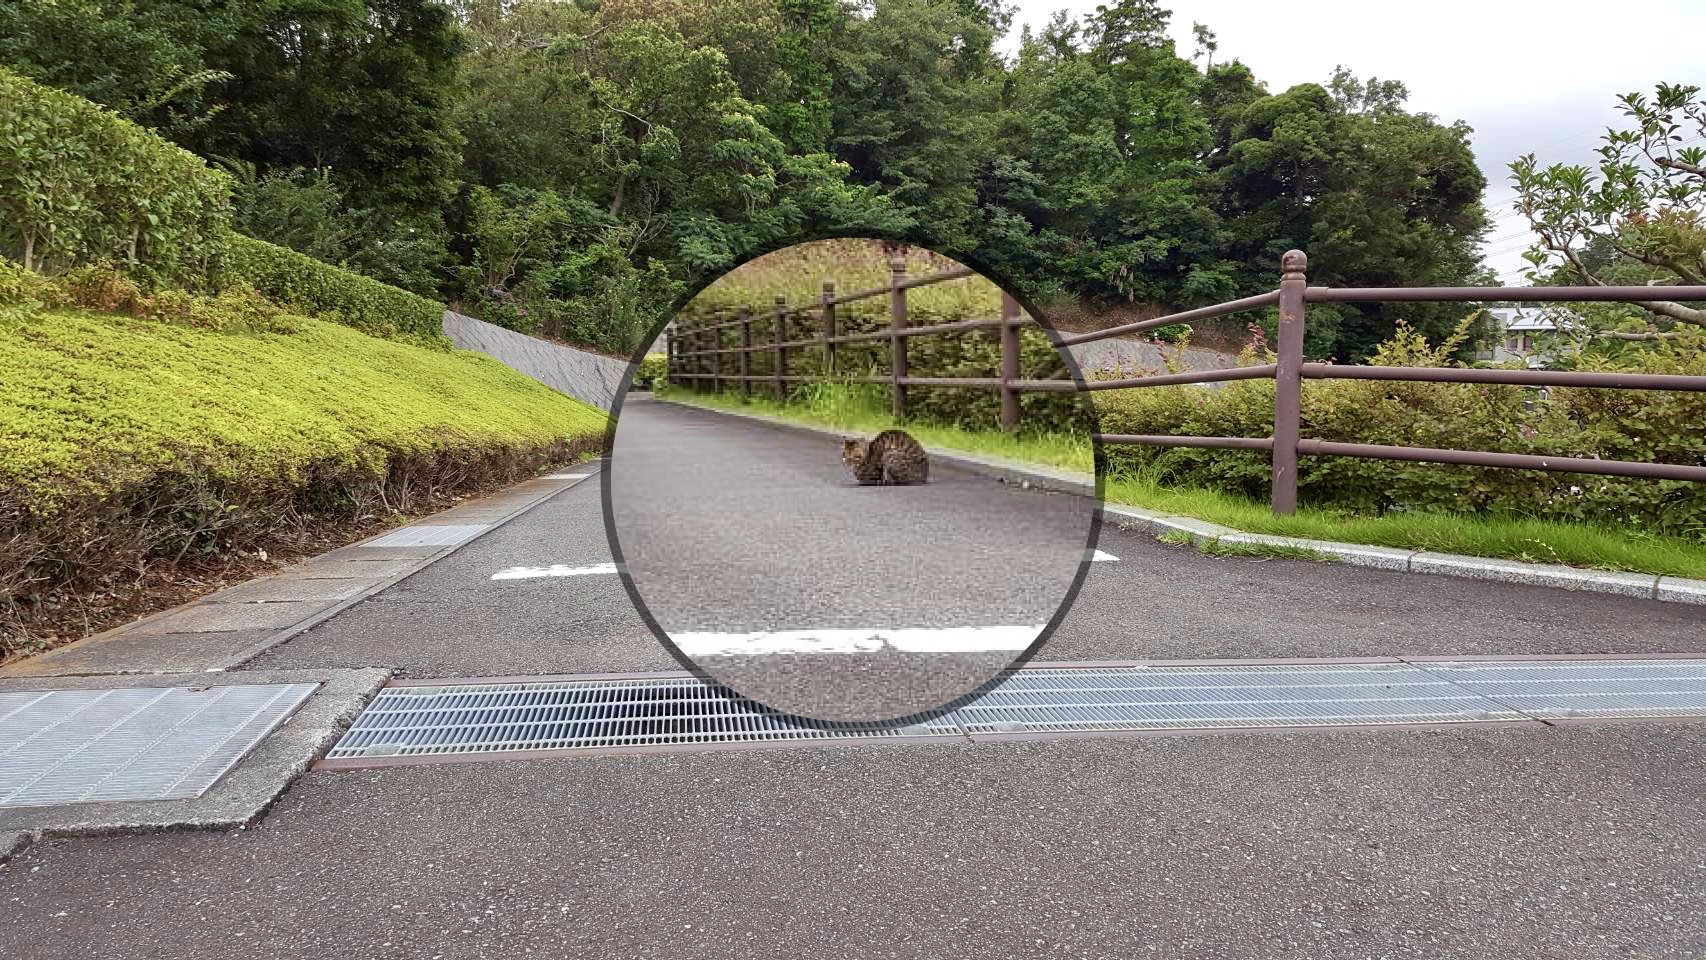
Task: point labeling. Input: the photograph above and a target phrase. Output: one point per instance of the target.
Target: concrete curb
(232, 626)
(1645, 586)
(237, 799)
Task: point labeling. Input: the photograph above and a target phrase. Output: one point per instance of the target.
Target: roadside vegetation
(862, 409)
(571, 168)
(181, 405)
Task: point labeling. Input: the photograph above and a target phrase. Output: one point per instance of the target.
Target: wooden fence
(698, 351)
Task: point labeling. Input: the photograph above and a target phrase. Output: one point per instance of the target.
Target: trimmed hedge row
(78, 184)
(332, 293)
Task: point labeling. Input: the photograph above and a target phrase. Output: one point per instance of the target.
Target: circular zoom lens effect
(803, 505)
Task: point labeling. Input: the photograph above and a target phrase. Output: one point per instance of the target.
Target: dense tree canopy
(573, 167)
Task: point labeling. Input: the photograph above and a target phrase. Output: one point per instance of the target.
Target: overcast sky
(1529, 77)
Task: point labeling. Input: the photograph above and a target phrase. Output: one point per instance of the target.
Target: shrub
(79, 184)
(1609, 424)
(654, 367)
(332, 293)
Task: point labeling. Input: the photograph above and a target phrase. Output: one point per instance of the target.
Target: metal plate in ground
(137, 743)
(430, 535)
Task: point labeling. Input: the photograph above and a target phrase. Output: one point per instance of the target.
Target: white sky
(1530, 76)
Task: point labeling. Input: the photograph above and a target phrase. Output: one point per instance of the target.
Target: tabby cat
(890, 457)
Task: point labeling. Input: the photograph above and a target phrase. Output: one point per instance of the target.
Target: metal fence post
(828, 318)
(781, 371)
(897, 343)
(1009, 362)
(1288, 379)
(745, 352)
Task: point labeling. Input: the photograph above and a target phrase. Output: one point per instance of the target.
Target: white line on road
(1102, 555)
(555, 570)
(858, 640)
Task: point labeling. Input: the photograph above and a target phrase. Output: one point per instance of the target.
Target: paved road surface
(743, 539)
(1578, 842)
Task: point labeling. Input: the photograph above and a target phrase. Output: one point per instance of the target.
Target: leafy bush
(1610, 424)
(654, 367)
(305, 209)
(332, 293)
(79, 184)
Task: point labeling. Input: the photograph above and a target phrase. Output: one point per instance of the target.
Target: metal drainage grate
(429, 535)
(1171, 698)
(406, 721)
(138, 743)
(505, 717)
(1587, 688)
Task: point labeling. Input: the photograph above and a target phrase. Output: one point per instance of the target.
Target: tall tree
(1377, 195)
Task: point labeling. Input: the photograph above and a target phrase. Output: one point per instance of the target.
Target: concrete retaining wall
(582, 375)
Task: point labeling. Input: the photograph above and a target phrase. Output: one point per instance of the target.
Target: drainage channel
(436, 721)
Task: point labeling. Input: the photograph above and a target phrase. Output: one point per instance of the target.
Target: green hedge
(1640, 425)
(80, 184)
(302, 283)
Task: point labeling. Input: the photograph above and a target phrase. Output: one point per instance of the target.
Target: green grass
(92, 404)
(861, 408)
(1506, 537)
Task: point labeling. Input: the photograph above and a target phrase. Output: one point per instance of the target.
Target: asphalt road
(1154, 601)
(753, 549)
(1580, 842)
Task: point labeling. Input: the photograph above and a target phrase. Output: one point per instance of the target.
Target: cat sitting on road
(889, 458)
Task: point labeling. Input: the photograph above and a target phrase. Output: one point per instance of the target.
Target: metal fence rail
(692, 360)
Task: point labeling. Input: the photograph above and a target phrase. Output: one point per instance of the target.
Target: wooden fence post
(699, 381)
(1009, 362)
(828, 300)
(781, 371)
(1288, 379)
(669, 349)
(745, 352)
(897, 343)
(716, 357)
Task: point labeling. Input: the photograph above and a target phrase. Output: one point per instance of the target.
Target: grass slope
(1509, 537)
(93, 403)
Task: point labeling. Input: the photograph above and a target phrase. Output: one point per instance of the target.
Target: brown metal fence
(692, 361)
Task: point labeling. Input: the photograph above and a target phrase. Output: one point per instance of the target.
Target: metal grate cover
(503, 717)
(408, 721)
(1586, 688)
(430, 535)
(137, 743)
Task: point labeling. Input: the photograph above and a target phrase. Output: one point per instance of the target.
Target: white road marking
(1102, 555)
(858, 640)
(567, 476)
(555, 570)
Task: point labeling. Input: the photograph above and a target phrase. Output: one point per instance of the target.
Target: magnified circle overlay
(785, 507)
